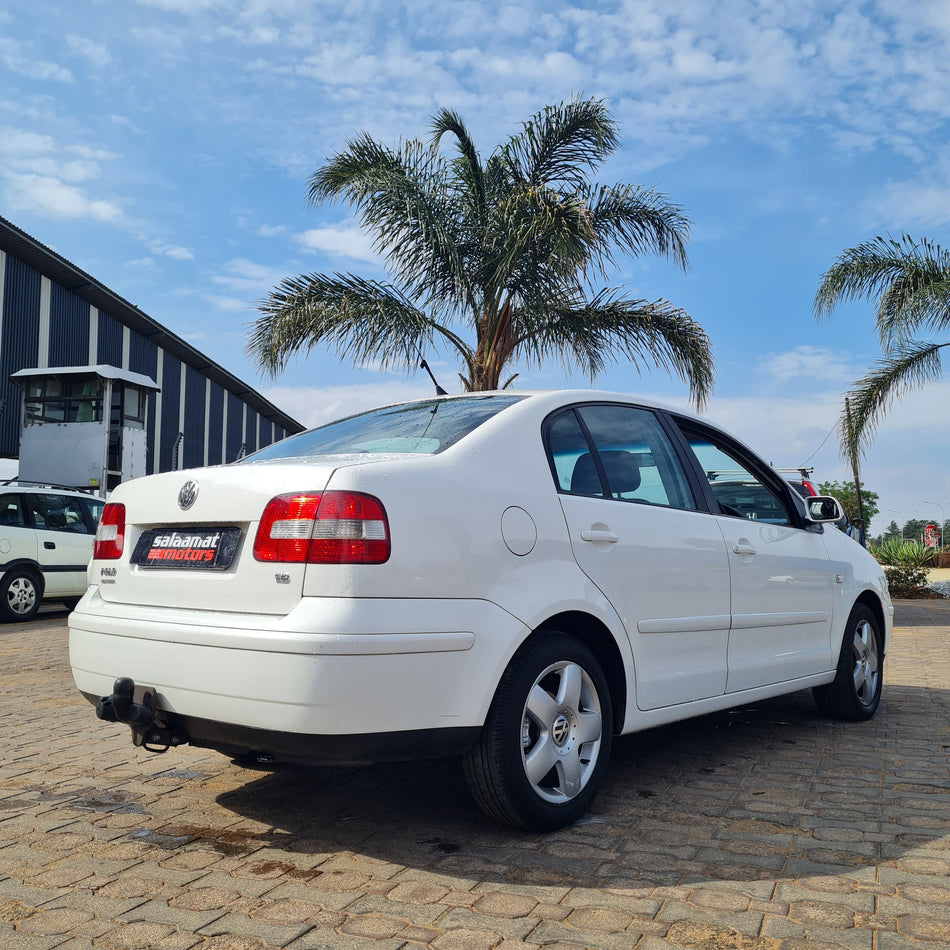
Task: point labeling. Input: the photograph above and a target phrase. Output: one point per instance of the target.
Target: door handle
(49, 545)
(595, 534)
(743, 548)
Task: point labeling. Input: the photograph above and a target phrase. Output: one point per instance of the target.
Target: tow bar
(135, 706)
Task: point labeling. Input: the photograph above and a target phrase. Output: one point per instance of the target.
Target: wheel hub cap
(561, 730)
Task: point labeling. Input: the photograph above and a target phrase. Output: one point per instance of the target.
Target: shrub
(899, 553)
(905, 580)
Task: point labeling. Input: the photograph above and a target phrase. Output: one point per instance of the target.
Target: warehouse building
(112, 390)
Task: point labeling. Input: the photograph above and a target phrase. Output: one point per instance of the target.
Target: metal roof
(99, 369)
(47, 262)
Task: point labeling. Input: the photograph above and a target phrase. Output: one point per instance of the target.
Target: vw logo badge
(187, 495)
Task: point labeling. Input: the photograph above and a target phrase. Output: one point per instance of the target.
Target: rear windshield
(417, 428)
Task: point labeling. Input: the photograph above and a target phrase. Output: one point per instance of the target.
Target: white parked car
(513, 578)
(46, 536)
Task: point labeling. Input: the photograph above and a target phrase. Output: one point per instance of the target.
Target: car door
(782, 579)
(63, 541)
(636, 533)
(17, 538)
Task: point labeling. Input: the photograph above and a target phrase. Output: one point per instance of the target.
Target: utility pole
(853, 453)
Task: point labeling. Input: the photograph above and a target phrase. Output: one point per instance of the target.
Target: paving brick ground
(765, 828)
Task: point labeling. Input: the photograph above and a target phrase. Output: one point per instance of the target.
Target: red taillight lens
(351, 528)
(334, 527)
(110, 534)
(810, 488)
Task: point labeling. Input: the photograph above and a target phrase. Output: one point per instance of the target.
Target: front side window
(619, 452)
(418, 428)
(739, 492)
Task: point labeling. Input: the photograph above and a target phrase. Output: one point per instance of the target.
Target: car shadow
(745, 795)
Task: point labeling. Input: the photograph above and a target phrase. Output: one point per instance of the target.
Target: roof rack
(85, 489)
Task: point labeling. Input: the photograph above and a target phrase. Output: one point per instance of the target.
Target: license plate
(201, 549)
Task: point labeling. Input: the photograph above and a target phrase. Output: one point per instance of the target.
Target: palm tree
(504, 250)
(910, 283)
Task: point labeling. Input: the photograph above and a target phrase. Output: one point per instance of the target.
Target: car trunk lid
(189, 538)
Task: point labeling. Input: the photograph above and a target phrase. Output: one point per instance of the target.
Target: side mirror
(822, 509)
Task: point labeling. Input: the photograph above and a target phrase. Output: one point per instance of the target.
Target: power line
(823, 441)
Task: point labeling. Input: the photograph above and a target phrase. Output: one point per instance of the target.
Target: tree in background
(846, 494)
(909, 281)
(497, 260)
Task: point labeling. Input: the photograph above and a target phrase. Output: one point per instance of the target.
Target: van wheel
(20, 595)
(855, 692)
(545, 746)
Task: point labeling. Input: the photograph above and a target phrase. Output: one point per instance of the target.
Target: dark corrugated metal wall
(19, 342)
(194, 444)
(68, 328)
(143, 358)
(235, 435)
(215, 424)
(168, 439)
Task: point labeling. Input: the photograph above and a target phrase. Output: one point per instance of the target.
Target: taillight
(333, 527)
(809, 487)
(110, 534)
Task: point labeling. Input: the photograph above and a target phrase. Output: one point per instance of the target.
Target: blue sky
(164, 147)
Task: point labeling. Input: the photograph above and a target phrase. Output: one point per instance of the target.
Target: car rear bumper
(334, 668)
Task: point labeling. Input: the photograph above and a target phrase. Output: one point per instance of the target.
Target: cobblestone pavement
(766, 828)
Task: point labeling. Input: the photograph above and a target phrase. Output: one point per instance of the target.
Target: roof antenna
(439, 391)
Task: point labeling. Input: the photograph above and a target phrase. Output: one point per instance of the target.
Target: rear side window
(417, 428)
(94, 507)
(618, 452)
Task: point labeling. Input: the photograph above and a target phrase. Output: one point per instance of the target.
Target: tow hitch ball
(149, 728)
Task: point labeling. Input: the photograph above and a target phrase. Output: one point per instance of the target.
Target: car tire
(855, 692)
(20, 595)
(545, 745)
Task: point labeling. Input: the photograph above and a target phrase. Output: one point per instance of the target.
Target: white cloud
(183, 6)
(96, 53)
(52, 197)
(165, 248)
(17, 144)
(271, 230)
(904, 206)
(228, 304)
(346, 241)
(35, 177)
(17, 61)
(245, 283)
(808, 363)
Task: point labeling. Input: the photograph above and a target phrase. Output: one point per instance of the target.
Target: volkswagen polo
(511, 578)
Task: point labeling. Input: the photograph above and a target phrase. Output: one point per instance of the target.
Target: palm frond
(639, 221)
(449, 121)
(535, 231)
(910, 280)
(403, 197)
(907, 368)
(588, 334)
(559, 144)
(362, 320)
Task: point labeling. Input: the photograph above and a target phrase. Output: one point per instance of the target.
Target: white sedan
(513, 578)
